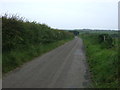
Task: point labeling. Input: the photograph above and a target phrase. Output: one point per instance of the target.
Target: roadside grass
(16, 58)
(103, 62)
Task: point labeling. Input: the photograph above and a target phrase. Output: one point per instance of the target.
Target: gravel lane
(63, 67)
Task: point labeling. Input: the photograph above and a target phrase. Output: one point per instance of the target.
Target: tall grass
(17, 57)
(103, 62)
(24, 40)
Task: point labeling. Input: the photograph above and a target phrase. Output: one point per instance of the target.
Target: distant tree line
(75, 32)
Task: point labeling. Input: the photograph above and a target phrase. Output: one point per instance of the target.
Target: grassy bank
(23, 40)
(16, 58)
(103, 61)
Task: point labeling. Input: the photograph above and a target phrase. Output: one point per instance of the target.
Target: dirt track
(63, 67)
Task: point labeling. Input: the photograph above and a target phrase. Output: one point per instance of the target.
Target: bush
(106, 40)
(17, 33)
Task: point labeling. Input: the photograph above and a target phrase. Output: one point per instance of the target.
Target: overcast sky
(66, 14)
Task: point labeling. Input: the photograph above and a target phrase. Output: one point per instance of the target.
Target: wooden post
(104, 38)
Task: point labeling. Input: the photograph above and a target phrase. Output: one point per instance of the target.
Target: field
(103, 58)
(24, 40)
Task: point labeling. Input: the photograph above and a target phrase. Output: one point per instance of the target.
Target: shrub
(106, 40)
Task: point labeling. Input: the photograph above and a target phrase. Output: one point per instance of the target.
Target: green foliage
(103, 62)
(19, 34)
(106, 40)
(17, 57)
(23, 40)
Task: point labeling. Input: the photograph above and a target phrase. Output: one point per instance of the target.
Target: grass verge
(16, 58)
(103, 63)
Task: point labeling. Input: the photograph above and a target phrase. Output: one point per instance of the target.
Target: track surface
(63, 67)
